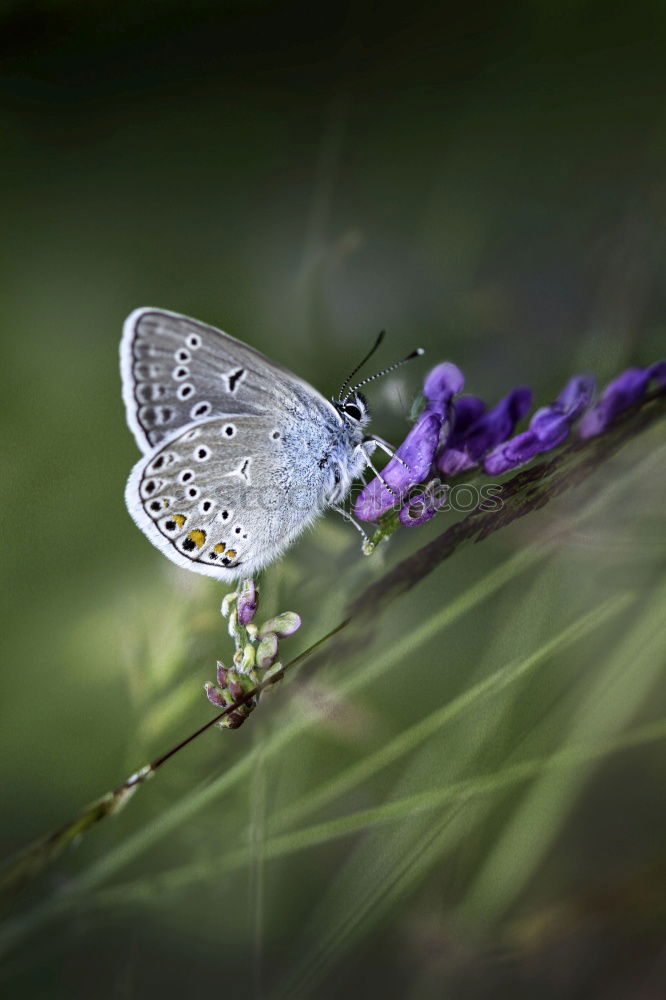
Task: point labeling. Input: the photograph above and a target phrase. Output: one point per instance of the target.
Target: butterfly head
(351, 404)
(353, 408)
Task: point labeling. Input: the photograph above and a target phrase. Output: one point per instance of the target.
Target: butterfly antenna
(372, 350)
(371, 378)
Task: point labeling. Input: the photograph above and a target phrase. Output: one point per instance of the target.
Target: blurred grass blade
(617, 693)
(422, 730)
(153, 889)
(415, 736)
(32, 860)
(420, 846)
(183, 810)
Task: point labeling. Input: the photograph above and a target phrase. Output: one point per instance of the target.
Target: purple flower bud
(624, 390)
(247, 602)
(508, 455)
(215, 696)
(576, 395)
(471, 439)
(441, 384)
(658, 372)
(235, 687)
(221, 674)
(416, 452)
(466, 412)
(423, 506)
(418, 448)
(548, 427)
(551, 424)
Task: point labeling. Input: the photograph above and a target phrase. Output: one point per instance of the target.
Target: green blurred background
(489, 182)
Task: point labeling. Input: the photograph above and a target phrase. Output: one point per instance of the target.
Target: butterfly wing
(176, 370)
(225, 496)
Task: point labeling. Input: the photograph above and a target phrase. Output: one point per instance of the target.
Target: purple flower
(548, 427)
(552, 423)
(467, 411)
(475, 430)
(450, 437)
(418, 449)
(416, 452)
(441, 385)
(624, 390)
(423, 506)
(247, 602)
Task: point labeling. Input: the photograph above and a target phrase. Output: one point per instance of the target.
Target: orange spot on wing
(179, 519)
(220, 547)
(231, 553)
(198, 537)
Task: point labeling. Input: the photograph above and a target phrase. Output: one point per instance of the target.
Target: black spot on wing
(233, 378)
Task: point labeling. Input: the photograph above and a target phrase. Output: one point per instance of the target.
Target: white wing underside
(229, 476)
(211, 506)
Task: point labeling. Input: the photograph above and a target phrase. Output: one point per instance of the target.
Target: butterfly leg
(386, 447)
(371, 464)
(347, 516)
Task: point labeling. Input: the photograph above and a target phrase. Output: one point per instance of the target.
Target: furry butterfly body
(239, 454)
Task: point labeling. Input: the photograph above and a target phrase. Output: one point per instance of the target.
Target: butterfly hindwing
(177, 370)
(211, 496)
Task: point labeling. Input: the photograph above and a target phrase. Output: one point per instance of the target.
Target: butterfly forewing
(177, 370)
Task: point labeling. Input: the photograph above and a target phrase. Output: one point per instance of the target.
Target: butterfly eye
(353, 411)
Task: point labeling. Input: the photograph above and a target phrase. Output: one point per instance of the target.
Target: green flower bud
(267, 650)
(284, 624)
(247, 661)
(233, 623)
(227, 601)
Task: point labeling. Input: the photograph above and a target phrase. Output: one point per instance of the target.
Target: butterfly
(239, 454)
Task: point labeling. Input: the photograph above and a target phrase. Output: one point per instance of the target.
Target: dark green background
(489, 182)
